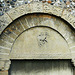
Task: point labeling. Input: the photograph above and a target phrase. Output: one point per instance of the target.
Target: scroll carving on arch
(29, 8)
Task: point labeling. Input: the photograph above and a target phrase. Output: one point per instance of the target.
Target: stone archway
(28, 21)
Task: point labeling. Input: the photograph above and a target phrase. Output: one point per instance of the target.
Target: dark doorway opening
(41, 67)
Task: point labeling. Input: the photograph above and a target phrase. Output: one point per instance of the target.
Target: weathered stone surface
(57, 11)
(21, 10)
(73, 60)
(2, 65)
(74, 71)
(68, 17)
(43, 44)
(24, 9)
(28, 22)
(24, 23)
(13, 14)
(4, 50)
(5, 20)
(37, 7)
(3, 72)
(7, 65)
(4, 44)
(4, 56)
(40, 7)
(28, 9)
(52, 9)
(47, 8)
(73, 53)
(7, 38)
(31, 8)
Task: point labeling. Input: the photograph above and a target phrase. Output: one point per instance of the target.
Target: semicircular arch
(35, 20)
(37, 7)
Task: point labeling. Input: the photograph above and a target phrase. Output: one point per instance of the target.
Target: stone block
(73, 60)
(3, 72)
(57, 11)
(7, 65)
(21, 10)
(72, 44)
(4, 50)
(13, 14)
(47, 8)
(4, 44)
(73, 51)
(2, 64)
(68, 17)
(52, 9)
(5, 20)
(27, 8)
(4, 56)
(37, 7)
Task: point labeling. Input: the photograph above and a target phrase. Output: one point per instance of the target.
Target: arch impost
(5, 64)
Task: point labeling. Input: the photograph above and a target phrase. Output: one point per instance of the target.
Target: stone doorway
(36, 36)
(41, 67)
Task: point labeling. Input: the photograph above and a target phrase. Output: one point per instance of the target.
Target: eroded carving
(42, 38)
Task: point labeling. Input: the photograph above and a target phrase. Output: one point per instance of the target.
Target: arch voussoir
(5, 20)
(36, 8)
